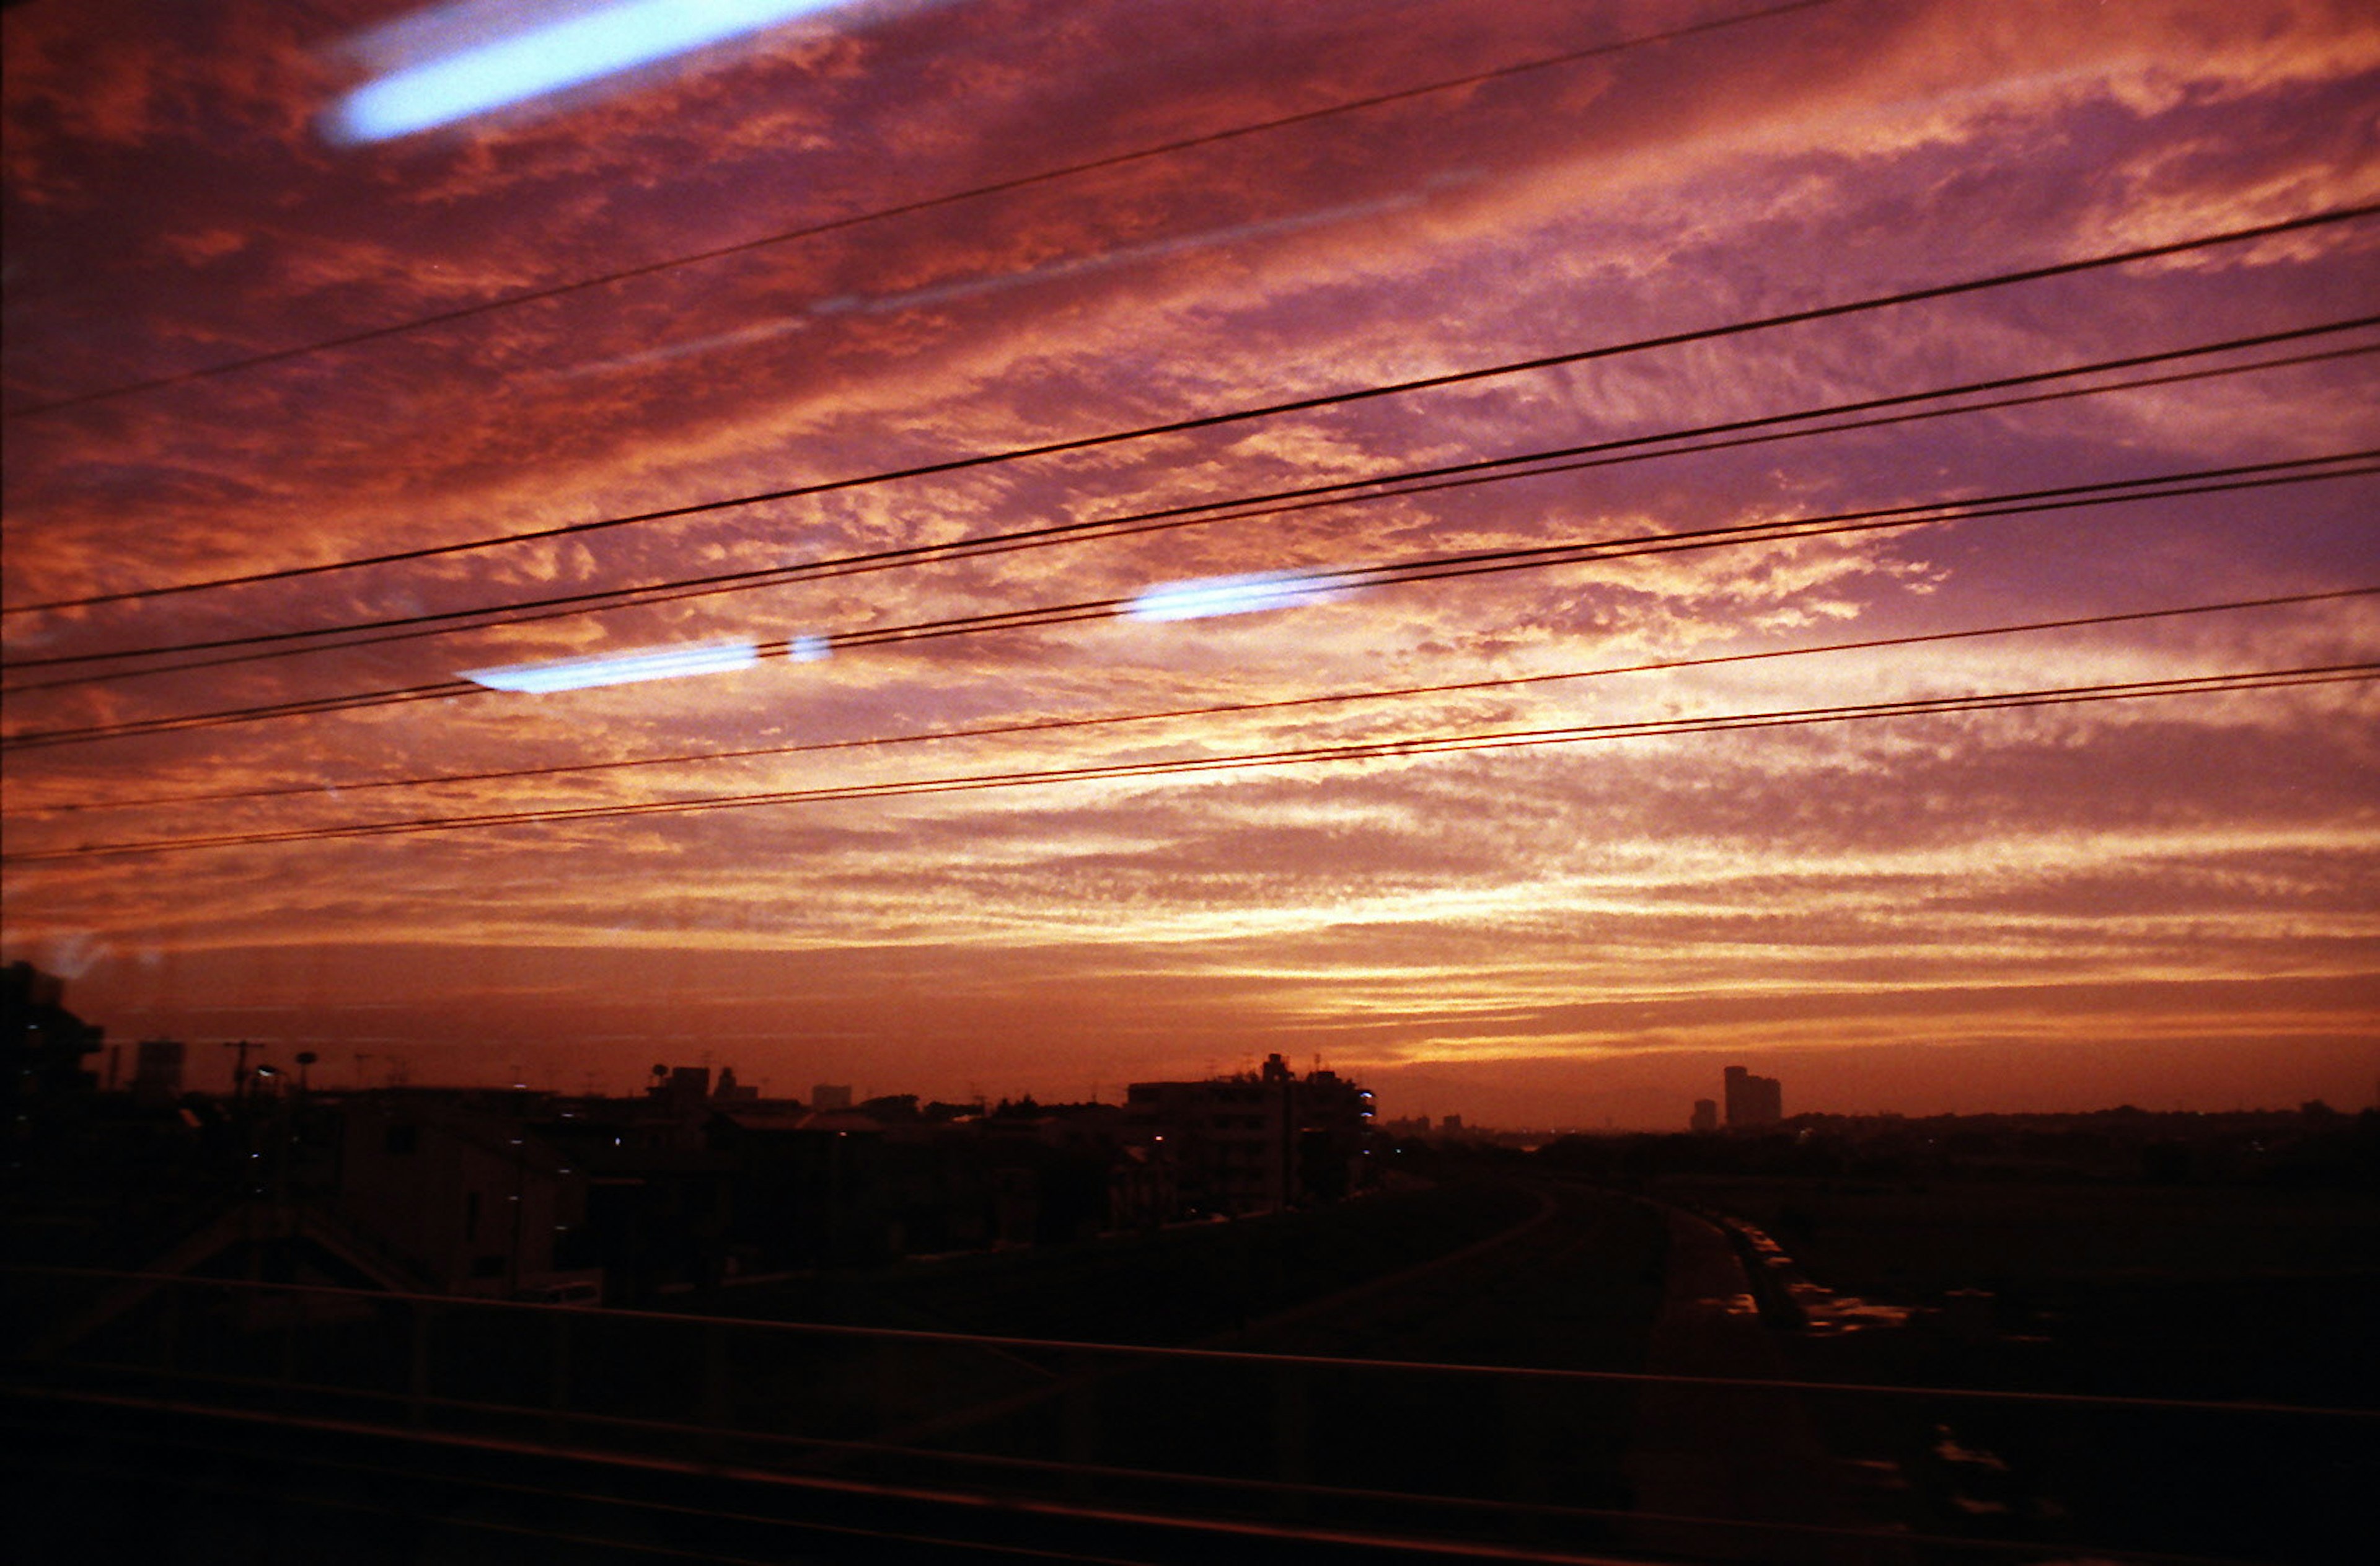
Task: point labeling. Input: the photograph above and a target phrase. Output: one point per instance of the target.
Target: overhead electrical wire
(2219, 480)
(2202, 481)
(1237, 416)
(1760, 430)
(1368, 750)
(341, 788)
(906, 209)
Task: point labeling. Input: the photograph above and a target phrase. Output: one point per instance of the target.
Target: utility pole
(239, 1071)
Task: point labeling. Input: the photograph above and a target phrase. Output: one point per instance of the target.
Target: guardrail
(1553, 1459)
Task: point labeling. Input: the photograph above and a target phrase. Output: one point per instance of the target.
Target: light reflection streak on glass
(625, 668)
(568, 51)
(1228, 595)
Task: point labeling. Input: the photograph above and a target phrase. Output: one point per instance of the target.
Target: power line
(2023, 503)
(2207, 481)
(1237, 416)
(1226, 709)
(2246, 680)
(906, 209)
(1755, 431)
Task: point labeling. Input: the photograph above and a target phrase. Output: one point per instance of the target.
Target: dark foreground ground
(1260, 1435)
(2232, 1295)
(2254, 1303)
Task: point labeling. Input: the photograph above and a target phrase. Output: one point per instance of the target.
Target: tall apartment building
(1754, 1101)
(1255, 1142)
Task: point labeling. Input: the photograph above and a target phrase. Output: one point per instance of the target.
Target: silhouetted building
(684, 1088)
(830, 1096)
(1333, 1120)
(1706, 1115)
(1255, 1143)
(157, 1070)
(471, 1200)
(1754, 1101)
(1226, 1140)
(1143, 1190)
(42, 1050)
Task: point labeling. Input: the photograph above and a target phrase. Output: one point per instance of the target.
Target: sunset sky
(2169, 901)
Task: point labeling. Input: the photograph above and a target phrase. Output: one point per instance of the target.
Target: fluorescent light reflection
(1224, 595)
(484, 64)
(622, 669)
(807, 650)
